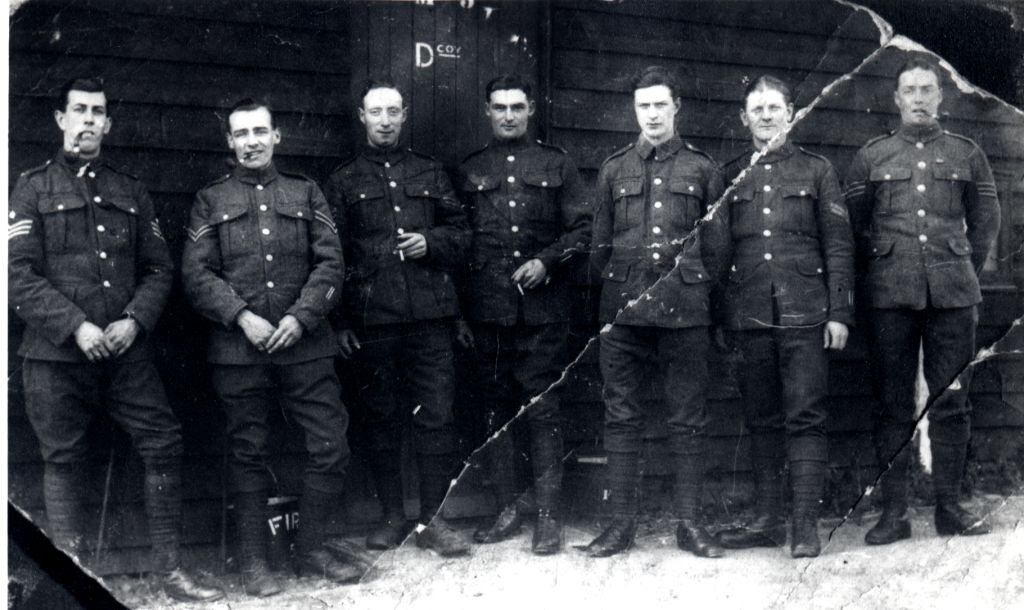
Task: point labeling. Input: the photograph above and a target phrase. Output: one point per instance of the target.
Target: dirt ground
(923, 572)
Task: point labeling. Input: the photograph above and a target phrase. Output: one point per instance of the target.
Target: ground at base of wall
(925, 571)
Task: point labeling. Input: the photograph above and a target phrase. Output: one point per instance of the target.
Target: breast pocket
(686, 199)
(627, 195)
(798, 212)
(64, 221)
(236, 234)
(950, 183)
(364, 209)
(293, 218)
(420, 203)
(120, 222)
(541, 201)
(891, 186)
(744, 219)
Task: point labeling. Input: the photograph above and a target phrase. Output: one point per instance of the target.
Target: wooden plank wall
(173, 70)
(716, 49)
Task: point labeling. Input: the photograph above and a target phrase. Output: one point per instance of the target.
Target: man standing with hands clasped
(530, 218)
(89, 274)
(403, 232)
(262, 261)
(924, 210)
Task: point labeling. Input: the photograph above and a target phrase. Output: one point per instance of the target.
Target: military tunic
(265, 241)
(790, 261)
(400, 308)
(656, 284)
(85, 246)
(925, 214)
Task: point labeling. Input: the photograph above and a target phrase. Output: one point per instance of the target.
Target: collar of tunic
(380, 156)
(919, 133)
(255, 176)
(666, 149)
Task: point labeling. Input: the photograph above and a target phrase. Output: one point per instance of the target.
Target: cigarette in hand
(519, 287)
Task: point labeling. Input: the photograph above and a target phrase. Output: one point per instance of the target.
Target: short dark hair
(247, 104)
(915, 63)
(506, 82)
(655, 75)
(768, 82)
(378, 83)
(90, 84)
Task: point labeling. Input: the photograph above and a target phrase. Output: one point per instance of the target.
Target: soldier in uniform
(788, 299)
(89, 274)
(530, 216)
(403, 232)
(924, 211)
(654, 303)
(263, 262)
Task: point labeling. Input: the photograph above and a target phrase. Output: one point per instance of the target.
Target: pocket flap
(810, 267)
(543, 179)
(944, 172)
(798, 190)
(686, 186)
(478, 183)
(880, 247)
(743, 192)
(617, 270)
(422, 190)
(225, 214)
(298, 210)
(626, 188)
(364, 192)
(960, 245)
(125, 204)
(60, 203)
(887, 174)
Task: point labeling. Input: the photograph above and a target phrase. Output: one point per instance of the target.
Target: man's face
(84, 122)
(766, 115)
(509, 111)
(918, 96)
(656, 112)
(252, 137)
(383, 115)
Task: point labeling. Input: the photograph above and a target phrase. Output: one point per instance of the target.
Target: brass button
(106, 283)
(921, 165)
(515, 229)
(398, 209)
(100, 228)
(103, 255)
(97, 199)
(921, 213)
(656, 256)
(767, 211)
(657, 204)
(392, 184)
(511, 179)
(263, 208)
(657, 182)
(767, 233)
(511, 158)
(517, 254)
(266, 231)
(270, 284)
(270, 257)
(922, 238)
(767, 256)
(767, 188)
(511, 204)
(656, 230)
(259, 187)
(919, 145)
(920, 188)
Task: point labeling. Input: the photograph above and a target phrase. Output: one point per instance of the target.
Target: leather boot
(617, 537)
(767, 529)
(179, 585)
(311, 558)
(500, 460)
(893, 525)
(692, 537)
(162, 493)
(808, 463)
(547, 534)
(952, 519)
(547, 452)
(386, 468)
(505, 526)
(688, 461)
(805, 536)
(390, 533)
(442, 539)
(62, 496)
(250, 516)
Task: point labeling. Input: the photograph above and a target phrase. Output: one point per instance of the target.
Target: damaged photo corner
(874, 182)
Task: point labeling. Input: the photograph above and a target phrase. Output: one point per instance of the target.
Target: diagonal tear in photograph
(508, 303)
